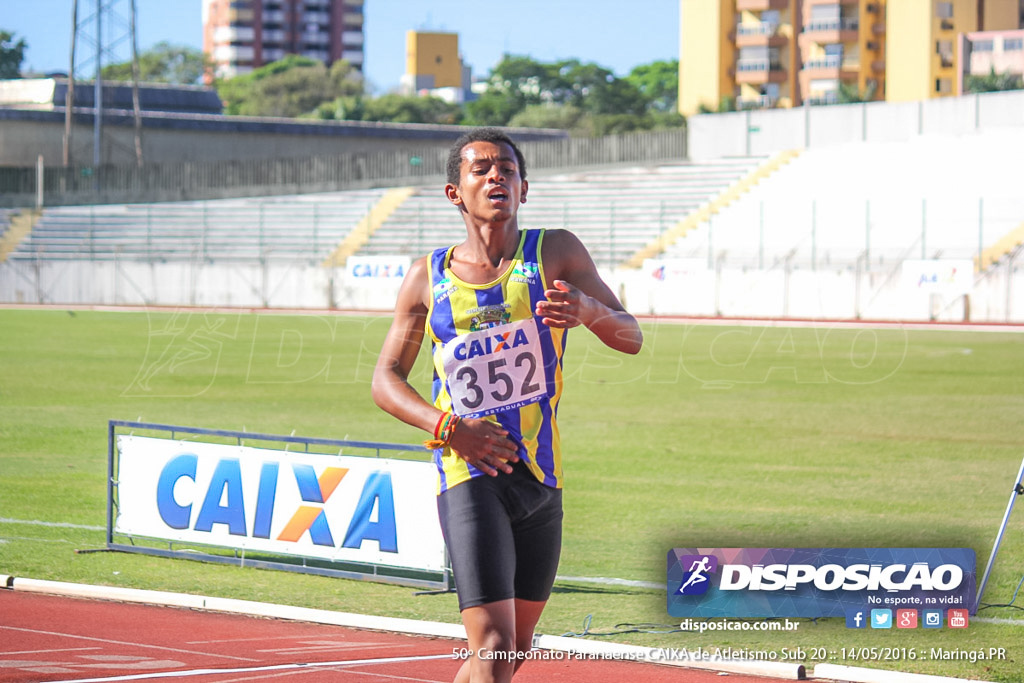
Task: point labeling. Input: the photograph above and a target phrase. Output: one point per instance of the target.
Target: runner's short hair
(494, 135)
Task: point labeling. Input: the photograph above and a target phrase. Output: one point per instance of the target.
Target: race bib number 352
(500, 368)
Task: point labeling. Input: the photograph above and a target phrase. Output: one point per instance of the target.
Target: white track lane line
(254, 669)
(107, 641)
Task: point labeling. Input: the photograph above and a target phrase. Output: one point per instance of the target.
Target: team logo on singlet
(525, 273)
(443, 289)
(485, 317)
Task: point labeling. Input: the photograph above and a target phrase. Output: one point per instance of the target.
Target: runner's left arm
(578, 296)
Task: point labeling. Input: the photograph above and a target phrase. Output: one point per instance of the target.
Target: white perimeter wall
(729, 291)
(765, 132)
(804, 294)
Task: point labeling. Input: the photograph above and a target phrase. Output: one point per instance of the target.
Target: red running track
(46, 638)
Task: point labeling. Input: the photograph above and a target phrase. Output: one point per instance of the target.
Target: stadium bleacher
(614, 212)
(876, 204)
(5, 222)
(304, 228)
(829, 207)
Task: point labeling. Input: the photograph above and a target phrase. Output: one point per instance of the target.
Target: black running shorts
(504, 535)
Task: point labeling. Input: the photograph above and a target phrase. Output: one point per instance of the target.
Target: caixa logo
(396, 270)
(224, 503)
(491, 344)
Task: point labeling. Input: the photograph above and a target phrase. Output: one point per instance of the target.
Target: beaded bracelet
(443, 430)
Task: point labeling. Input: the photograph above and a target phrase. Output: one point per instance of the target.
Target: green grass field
(714, 436)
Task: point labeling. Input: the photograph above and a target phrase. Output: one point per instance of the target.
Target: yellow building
(432, 60)
(784, 53)
(924, 60)
(707, 54)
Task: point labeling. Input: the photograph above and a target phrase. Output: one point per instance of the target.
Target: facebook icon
(856, 618)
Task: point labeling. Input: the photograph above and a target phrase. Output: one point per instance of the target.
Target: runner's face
(490, 186)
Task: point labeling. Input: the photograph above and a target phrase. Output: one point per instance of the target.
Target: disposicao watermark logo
(818, 582)
(696, 580)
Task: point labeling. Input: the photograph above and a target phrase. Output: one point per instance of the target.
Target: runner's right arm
(482, 443)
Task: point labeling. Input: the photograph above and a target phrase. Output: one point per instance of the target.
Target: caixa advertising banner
(817, 582)
(339, 508)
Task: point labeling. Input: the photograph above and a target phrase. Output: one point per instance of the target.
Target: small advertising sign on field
(950, 277)
(365, 510)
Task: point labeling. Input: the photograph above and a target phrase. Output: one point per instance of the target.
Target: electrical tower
(99, 36)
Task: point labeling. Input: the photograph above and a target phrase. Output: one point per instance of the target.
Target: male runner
(497, 307)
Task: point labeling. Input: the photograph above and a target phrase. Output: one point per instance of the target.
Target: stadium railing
(163, 182)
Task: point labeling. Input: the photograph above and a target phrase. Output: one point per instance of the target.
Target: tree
(408, 109)
(164, 63)
(514, 84)
(347, 108)
(391, 108)
(493, 108)
(520, 84)
(616, 96)
(993, 82)
(666, 119)
(726, 104)
(850, 94)
(658, 82)
(584, 98)
(290, 87)
(596, 90)
(11, 55)
(527, 80)
(560, 116)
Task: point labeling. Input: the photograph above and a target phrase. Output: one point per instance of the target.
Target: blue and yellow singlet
(493, 357)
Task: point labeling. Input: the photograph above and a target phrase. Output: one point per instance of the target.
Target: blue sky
(614, 34)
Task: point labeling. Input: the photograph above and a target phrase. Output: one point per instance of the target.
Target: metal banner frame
(1018, 490)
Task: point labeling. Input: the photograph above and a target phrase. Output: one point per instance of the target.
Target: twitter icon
(881, 618)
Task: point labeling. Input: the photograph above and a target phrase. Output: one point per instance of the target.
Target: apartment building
(242, 35)
(985, 52)
(786, 53)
